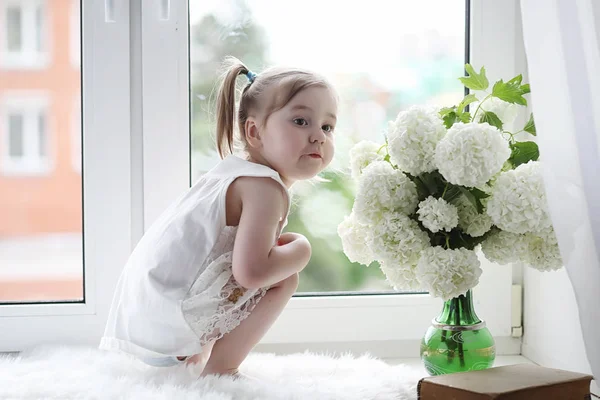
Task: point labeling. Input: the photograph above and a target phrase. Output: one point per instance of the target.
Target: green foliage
(511, 91)
(523, 152)
(530, 126)
(491, 119)
(475, 81)
(470, 98)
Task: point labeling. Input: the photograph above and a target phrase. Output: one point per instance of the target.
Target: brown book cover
(512, 382)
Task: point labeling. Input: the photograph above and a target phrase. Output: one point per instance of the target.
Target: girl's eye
(327, 128)
(300, 121)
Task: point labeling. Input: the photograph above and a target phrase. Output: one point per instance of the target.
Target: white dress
(177, 291)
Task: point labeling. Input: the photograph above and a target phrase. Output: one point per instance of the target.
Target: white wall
(552, 333)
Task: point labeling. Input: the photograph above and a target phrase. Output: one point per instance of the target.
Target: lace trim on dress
(216, 304)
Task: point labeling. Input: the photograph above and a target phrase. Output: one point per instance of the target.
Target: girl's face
(297, 140)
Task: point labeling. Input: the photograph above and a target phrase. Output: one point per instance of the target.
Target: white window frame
(119, 71)
(29, 56)
(76, 139)
(107, 191)
(329, 321)
(29, 106)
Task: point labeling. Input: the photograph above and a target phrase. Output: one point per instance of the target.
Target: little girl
(214, 272)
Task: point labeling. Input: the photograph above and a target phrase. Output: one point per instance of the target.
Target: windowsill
(26, 169)
(24, 62)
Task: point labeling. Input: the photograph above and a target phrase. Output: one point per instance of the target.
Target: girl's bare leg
(233, 348)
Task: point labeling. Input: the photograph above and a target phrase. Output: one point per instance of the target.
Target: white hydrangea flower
(400, 277)
(507, 112)
(381, 188)
(518, 201)
(354, 241)
(396, 239)
(503, 247)
(448, 273)
(437, 214)
(362, 154)
(542, 251)
(470, 154)
(470, 221)
(413, 137)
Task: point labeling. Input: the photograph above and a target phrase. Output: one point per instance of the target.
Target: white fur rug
(87, 373)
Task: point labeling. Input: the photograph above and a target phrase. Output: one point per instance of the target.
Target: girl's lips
(315, 155)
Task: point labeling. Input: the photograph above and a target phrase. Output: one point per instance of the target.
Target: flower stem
(479, 106)
(445, 188)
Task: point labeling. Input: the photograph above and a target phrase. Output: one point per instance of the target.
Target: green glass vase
(457, 340)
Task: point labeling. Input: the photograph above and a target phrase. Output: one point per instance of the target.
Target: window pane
(41, 257)
(39, 24)
(14, 32)
(382, 57)
(15, 136)
(41, 132)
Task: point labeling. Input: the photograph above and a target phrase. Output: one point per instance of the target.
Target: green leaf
(446, 110)
(471, 197)
(516, 80)
(474, 196)
(475, 81)
(530, 126)
(452, 194)
(470, 98)
(430, 182)
(450, 119)
(523, 152)
(479, 194)
(525, 88)
(422, 191)
(509, 92)
(492, 119)
(465, 117)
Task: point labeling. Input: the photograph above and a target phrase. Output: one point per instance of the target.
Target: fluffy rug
(87, 373)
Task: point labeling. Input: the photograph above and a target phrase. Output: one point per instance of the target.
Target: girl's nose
(317, 136)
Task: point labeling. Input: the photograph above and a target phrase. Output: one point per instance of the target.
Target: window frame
(122, 123)
(29, 56)
(310, 321)
(107, 189)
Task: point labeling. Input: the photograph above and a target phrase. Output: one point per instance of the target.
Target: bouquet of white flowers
(446, 183)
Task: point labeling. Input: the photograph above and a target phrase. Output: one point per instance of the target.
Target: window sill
(26, 170)
(24, 61)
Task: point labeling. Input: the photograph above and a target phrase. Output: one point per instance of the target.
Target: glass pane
(15, 136)
(42, 139)
(382, 57)
(14, 33)
(41, 257)
(39, 24)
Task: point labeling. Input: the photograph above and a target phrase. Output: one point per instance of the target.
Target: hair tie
(251, 76)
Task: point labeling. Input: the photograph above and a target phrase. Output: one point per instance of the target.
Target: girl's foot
(234, 373)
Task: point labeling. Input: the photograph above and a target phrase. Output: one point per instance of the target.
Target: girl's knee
(291, 282)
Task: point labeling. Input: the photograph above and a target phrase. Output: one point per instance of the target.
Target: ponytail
(226, 112)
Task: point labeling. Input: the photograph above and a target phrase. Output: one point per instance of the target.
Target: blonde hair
(256, 97)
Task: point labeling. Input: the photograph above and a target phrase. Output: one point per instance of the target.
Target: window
(172, 162)
(377, 75)
(23, 34)
(63, 243)
(26, 136)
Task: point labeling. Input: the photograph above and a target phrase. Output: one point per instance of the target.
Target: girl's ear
(252, 133)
